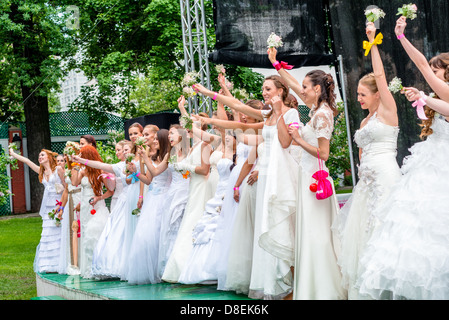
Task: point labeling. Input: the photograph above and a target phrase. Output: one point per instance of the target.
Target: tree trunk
(35, 106)
(38, 138)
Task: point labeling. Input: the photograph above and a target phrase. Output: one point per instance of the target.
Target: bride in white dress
(52, 177)
(107, 254)
(94, 213)
(378, 170)
(407, 256)
(144, 252)
(271, 275)
(197, 164)
(195, 270)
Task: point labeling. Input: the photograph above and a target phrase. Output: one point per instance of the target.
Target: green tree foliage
(34, 37)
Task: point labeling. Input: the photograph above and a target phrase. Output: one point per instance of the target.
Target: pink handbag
(323, 185)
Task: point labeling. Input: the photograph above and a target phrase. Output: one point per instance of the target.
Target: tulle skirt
(48, 249)
(407, 257)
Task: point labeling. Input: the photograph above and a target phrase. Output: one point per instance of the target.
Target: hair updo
(369, 81)
(327, 84)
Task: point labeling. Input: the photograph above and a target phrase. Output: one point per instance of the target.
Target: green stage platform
(53, 286)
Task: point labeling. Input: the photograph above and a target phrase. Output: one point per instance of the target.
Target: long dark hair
(164, 145)
(327, 84)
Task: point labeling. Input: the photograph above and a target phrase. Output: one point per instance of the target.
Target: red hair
(51, 160)
(90, 153)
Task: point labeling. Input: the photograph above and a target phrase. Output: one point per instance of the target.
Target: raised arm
(437, 85)
(438, 105)
(291, 81)
(389, 109)
(231, 102)
(94, 164)
(155, 171)
(25, 160)
(229, 124)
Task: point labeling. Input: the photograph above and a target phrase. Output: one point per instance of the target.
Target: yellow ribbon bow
(367, 45)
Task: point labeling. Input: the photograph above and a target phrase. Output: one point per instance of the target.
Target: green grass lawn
(19, 238)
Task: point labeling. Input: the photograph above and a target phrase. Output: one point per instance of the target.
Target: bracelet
(400, 36)
(277, 65)
(137, 174)
(236, 188)
(215, 96)
(87, 160)
(140, 196)
(61, 208)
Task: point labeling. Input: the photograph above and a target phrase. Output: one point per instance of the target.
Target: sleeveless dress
(316, 275)
(378, 172)
(193, 212)
(407, 256)
(218, 259)
(92, 226)
(238, 271)
(49, 247)
(276, 203)
(177, 197)
(144, 251)
(108, 251)
(195, 270)
(69, 217)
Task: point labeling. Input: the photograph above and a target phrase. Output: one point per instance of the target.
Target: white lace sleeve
(323, 122)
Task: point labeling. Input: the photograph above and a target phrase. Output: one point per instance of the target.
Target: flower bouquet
(188, 92)
(274, 41)
(53, 216)
(185, 121)
(375, 14)
(220, 69)
(240, 94)
(140, 141)
(395, 85)
(408, 11)
(136, 212)
(71, 148)
(128, 159)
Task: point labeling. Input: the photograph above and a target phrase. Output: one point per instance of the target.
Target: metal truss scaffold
(194, 39)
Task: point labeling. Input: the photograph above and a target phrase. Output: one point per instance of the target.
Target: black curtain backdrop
(243, 27)
(428, 33)
(163, 120)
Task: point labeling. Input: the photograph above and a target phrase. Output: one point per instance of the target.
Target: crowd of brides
(228, 201)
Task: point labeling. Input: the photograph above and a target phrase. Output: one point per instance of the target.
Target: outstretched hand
(412, 94)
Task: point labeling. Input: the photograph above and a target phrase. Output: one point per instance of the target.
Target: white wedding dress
(316, 275)
(196, 269)
(144, 252)
(49, 247)
(92, 226)
(273, 251)
(68, 217)
(407, 256)
(108, 251)
(193, 211)
(378, 172)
